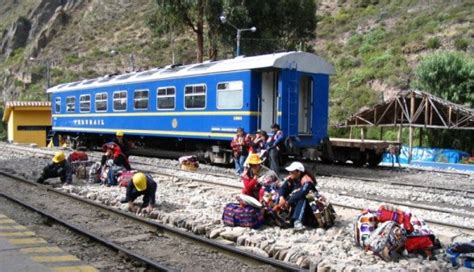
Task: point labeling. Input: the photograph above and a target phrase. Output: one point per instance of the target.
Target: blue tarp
(428, 154)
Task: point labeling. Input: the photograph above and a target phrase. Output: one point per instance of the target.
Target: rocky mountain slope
(375, 45)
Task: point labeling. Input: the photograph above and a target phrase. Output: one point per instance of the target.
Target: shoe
(40, 180)
(297, 226)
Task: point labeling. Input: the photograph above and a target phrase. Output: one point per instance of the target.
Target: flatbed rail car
(359, 151)
(197, 108)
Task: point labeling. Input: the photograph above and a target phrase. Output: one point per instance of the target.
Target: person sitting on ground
(141, 184)
(59, 167)
(255, 176)
(293, 194)
(115, 160)
(121, 141)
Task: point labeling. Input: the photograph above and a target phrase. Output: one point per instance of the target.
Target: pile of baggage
(189, 163)
(388, 231)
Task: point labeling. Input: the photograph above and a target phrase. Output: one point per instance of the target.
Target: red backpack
(78, 156)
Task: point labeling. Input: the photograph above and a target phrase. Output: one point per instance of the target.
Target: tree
(281, 24)
(193, 14)
(449, 75)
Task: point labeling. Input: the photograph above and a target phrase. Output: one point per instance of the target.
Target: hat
(119, 133)
(254, 159)
(295, 166)
(59, 157)
(139, 180)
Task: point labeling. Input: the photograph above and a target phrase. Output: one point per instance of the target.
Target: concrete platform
(22, 250)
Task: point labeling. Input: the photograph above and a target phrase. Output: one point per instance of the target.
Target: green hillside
(374, 45)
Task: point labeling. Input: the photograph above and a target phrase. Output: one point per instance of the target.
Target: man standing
(59, 167)
(276, 146)
(141, 184)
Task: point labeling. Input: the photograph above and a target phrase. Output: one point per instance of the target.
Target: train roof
(301, 61)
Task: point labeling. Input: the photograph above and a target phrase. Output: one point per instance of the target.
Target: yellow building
(28, 122)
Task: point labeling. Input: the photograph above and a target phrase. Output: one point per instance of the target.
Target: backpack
(94, 173)
(364, 225)
(78, 156)
(235, 215)
(104, 172)
(79, 162)
(386, 241)
(125, 177)
(323, 211)
(391, 213)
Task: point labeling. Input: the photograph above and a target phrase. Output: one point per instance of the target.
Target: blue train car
(198, 107)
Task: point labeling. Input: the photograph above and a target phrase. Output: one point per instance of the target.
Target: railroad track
(150, 264)
(231, 183)
(172, 172)
(403, 184)
(158, 236)
(313, 166)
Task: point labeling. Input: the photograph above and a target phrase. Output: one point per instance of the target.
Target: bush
(461, 44)
(449, 75)
(433, 43)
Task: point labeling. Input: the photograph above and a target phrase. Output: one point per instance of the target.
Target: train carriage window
(230, 95)
(120, 101)
(70, 104)
(140, 99)
(166, 98)
(101, 102)
(85, 103)
(195, 96)
(57, 105)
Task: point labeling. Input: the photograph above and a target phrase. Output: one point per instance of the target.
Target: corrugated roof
(28, 104)
(300, 61)
(9, 105)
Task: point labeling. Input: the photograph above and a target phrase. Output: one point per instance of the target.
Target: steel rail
(193, 237)
(148, 262)
(426, 220)
(398, 183)
(416, 206)
(379, 168)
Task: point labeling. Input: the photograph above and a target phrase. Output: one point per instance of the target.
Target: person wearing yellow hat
(121, 141)
(59, 167)
(141, 184)
(255, 176)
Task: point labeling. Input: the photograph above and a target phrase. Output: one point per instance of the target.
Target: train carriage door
(305, 108)
(268, 101)
(293, 107)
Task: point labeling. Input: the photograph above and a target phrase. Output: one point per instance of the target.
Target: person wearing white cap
(293, 194)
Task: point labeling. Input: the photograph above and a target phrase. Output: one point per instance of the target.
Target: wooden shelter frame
(413, 109)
